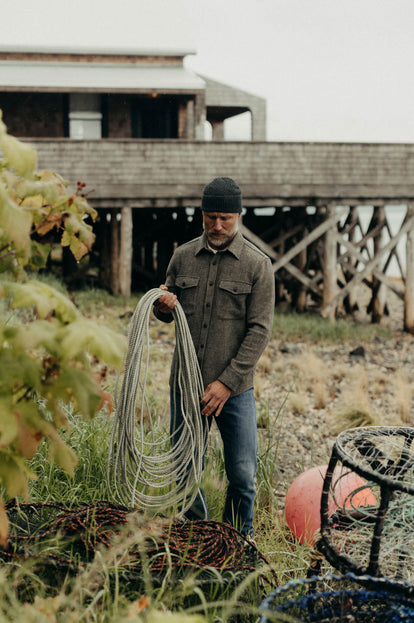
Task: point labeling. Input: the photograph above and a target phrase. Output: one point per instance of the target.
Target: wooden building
(131, 125)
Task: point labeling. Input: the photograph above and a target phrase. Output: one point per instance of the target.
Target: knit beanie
(221, 195)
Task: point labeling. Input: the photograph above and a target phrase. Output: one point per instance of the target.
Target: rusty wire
(176, 545)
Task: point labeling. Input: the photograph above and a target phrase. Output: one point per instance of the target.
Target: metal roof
(65, 76)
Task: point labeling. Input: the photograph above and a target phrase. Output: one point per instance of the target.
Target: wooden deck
(142, 187)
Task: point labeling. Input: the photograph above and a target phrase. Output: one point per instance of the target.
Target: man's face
(220, 228)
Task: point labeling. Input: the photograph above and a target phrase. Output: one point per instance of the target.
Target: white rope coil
(157, 473)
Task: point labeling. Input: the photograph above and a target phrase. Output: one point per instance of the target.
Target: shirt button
(201, 345)
(207, 304)
(214, 262)
(211, 283)
(204, 326)
(234, 289)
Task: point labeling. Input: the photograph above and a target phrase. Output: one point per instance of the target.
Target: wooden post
(125, 252)
(301, 260)
(329, 263)
(409, 278)
(114, 252)
(104, 254)
(378, 290)
(218, 130)
(352, 221)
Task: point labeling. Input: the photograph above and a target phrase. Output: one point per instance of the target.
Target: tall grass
(100, 590)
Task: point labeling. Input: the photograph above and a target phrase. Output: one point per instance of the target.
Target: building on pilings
(130, 123)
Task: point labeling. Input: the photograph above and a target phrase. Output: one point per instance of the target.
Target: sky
(330, 70)
(335, 70)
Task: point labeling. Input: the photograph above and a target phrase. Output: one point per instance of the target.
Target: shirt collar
(235, 246)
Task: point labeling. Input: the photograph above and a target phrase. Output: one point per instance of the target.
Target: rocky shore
(314, 390)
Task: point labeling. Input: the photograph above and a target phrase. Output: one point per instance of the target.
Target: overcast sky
(336, 70)
(329, 69)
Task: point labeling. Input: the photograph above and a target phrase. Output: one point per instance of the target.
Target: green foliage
(46, 345)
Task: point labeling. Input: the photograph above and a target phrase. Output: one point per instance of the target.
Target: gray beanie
(221, 195)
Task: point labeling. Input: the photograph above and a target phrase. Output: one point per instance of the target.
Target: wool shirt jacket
(228, 300)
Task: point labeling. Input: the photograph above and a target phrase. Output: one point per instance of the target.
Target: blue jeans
(238, 430)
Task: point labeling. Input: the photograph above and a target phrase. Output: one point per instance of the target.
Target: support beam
(316, 233)
(329, 265)
(370, 266)
(350, 266)
(392, 285)
(378, 290)
(114, 252)
(409, 280)
(125, 252)
(218, 130)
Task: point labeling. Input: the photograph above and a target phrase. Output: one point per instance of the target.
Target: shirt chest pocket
(187, 292)
(232, 298)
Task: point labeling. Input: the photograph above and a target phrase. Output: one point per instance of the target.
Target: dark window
(154, 117)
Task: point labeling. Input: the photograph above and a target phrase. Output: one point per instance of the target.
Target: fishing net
(372, 530)
(165, 547)
(340, 599)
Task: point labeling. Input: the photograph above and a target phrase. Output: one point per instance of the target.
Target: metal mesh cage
(340, 599)
(377, 536)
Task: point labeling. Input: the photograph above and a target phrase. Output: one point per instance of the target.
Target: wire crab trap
(60, 540)
(340, 599)
(375, 538)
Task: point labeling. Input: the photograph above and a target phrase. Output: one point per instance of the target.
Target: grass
(312, 327)
(97, 592)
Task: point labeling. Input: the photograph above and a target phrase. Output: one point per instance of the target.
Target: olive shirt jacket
(228, 300)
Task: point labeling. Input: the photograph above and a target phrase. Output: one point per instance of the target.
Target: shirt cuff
(161, 316)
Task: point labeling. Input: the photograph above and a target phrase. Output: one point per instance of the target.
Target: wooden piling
(114, 252)
(125, 252)
(378, 290)
(329, 265)
(409, 279)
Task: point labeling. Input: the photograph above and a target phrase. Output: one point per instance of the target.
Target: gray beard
(222, 243)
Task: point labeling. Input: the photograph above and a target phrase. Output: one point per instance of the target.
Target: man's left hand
(215, 396)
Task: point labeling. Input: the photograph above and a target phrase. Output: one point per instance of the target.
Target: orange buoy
(303, 499)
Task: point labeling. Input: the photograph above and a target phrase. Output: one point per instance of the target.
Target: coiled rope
(145, 472)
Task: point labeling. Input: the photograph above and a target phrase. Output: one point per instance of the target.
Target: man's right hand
(166, 303)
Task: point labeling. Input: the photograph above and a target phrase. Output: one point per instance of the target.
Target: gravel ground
(310, 384)
(301, 387)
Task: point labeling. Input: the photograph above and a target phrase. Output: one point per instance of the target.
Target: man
(226, 288)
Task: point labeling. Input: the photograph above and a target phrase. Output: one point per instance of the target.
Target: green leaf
(49, 191)
(4, 524)
(8, 421)
(76, 385)
(83, 207)
(20, 157)
(84, 334)
(34, 335)
(13, 474)
(78, 235)
(18, 372)
(63, 455)
(15, 221)
(46, 300)
(39, 254)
